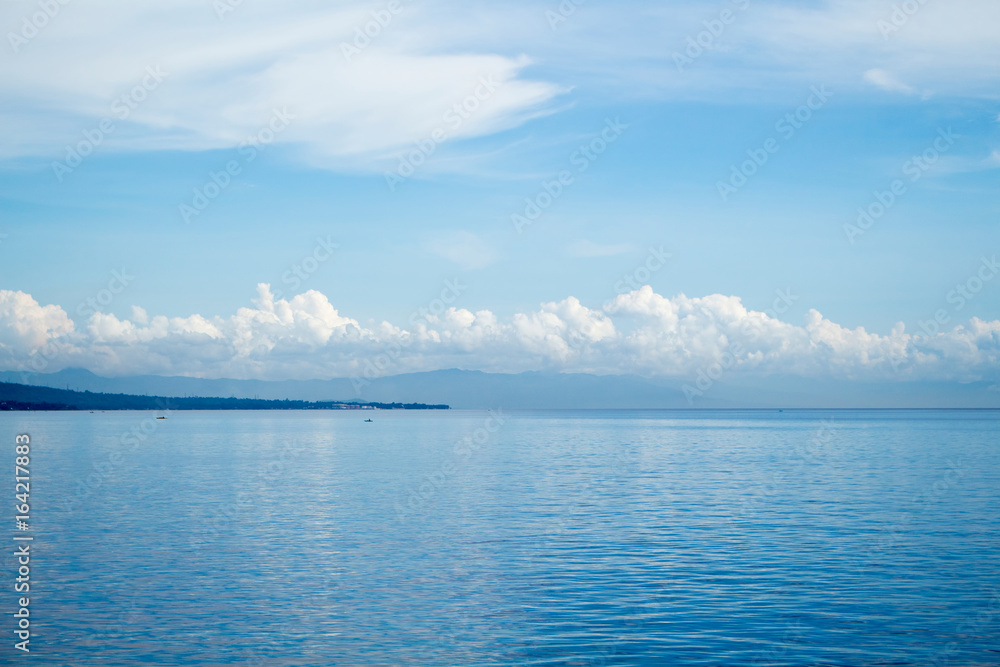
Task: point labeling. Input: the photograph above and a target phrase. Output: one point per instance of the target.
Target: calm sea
(477, 538)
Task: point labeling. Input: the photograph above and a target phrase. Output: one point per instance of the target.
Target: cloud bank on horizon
(639, 332)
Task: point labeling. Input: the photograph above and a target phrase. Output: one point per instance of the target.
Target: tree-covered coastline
(27, 397)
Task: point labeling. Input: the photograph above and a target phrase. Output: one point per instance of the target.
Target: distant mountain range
(539, 390)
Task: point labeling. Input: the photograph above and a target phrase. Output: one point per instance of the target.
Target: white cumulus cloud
(640, 332)
(27, 326)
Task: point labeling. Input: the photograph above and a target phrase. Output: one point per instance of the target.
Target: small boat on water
(367, 420)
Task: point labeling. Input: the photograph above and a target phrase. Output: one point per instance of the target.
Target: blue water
(590, 538)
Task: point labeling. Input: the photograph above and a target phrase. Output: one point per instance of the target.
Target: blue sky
(194, 80)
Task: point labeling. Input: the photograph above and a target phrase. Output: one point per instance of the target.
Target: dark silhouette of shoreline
(27, 397)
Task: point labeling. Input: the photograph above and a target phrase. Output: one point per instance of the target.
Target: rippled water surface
(468, 538)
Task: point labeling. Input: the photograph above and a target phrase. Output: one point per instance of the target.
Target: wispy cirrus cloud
(886, 81)
(224, 78)
(770, 48)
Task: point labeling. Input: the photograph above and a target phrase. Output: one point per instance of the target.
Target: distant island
(25, 397)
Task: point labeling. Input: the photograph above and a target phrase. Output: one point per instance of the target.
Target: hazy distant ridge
(540, 390)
